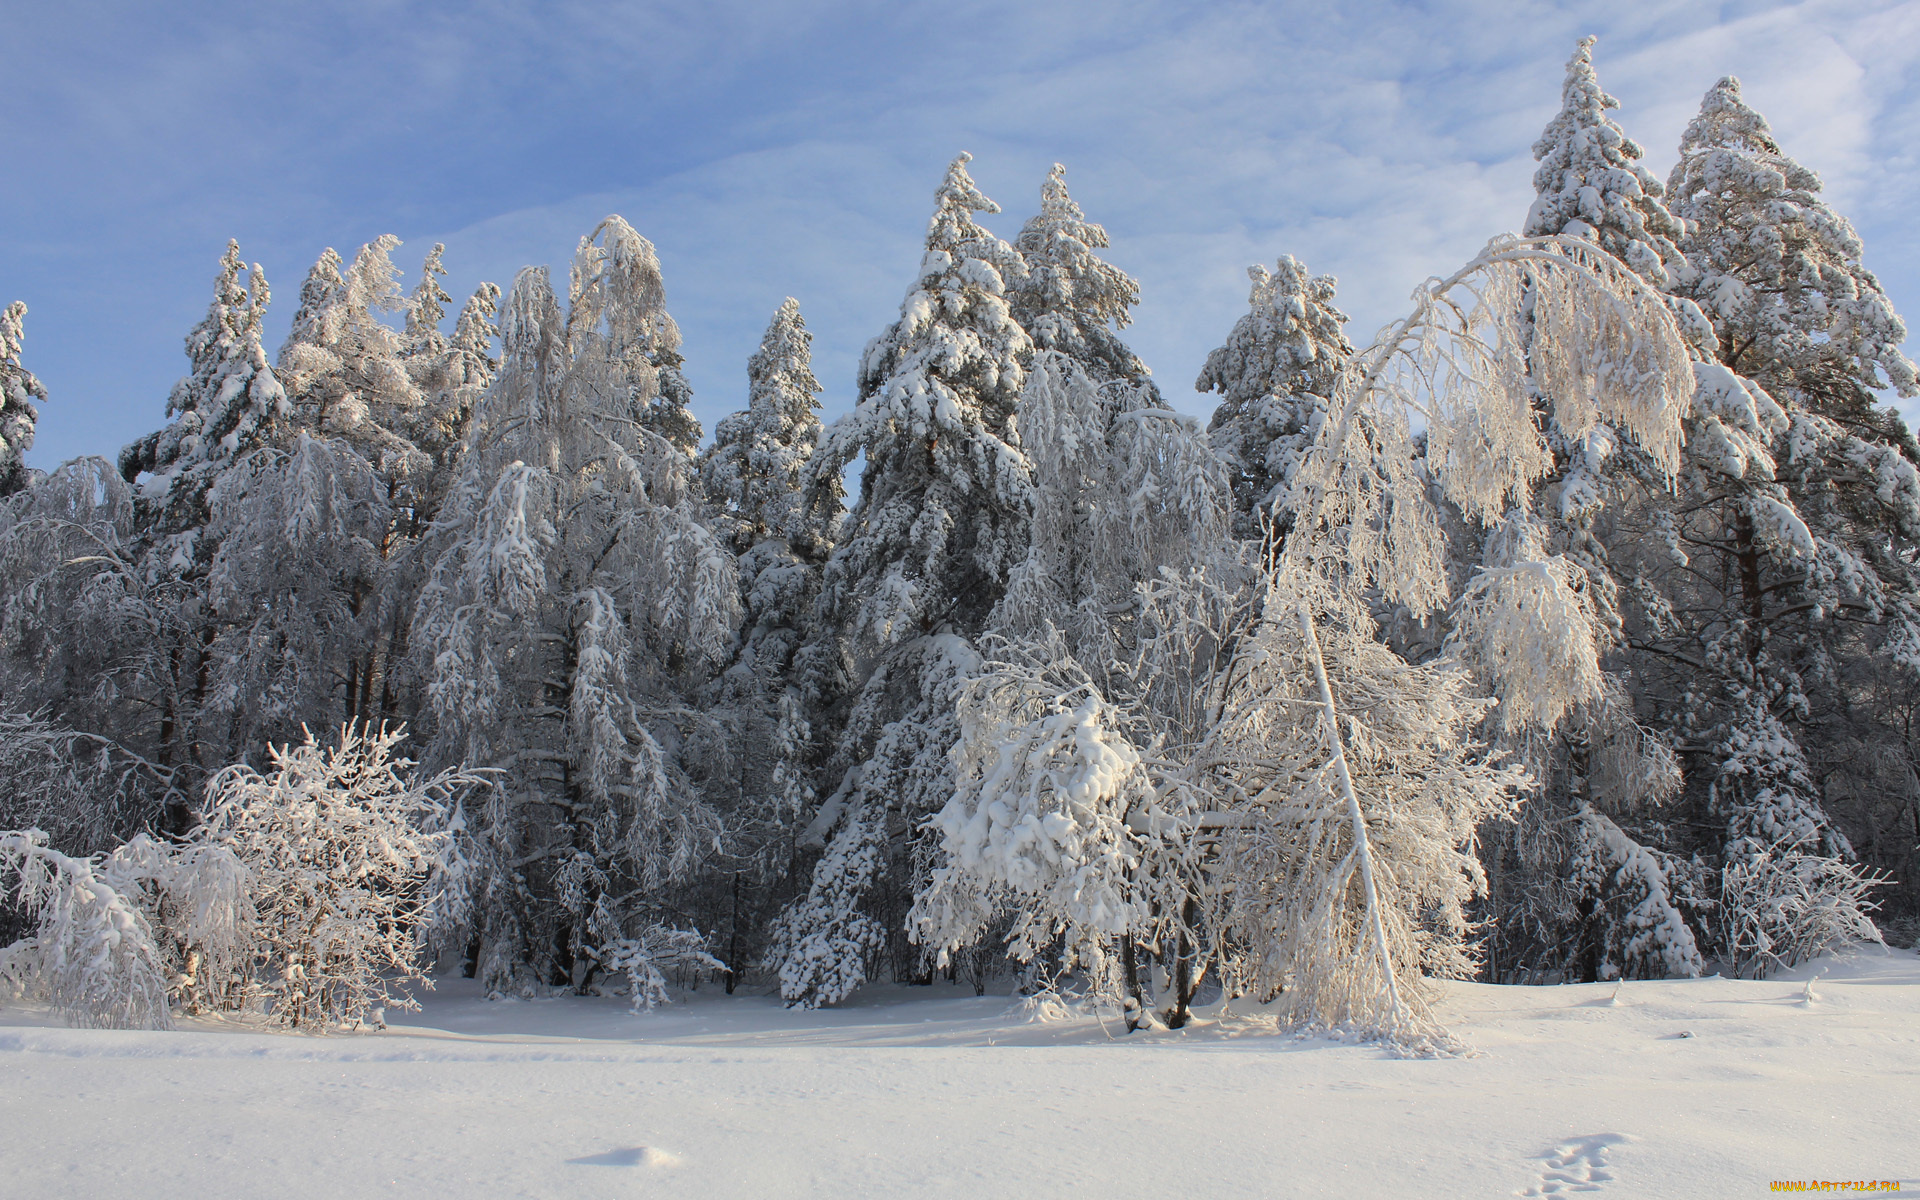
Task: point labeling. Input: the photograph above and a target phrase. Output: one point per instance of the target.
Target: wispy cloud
(776, 149)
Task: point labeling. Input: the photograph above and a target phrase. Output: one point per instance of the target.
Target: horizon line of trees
(1567, 631)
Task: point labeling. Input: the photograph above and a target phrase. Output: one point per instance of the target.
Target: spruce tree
(1071, 301)
(18, 390)
(1275, 376)
(229, 404)
(755, 477)
(941, 521)
(1828, 643)
(229, 409)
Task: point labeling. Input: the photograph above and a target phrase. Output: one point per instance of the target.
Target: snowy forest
(1566, 630)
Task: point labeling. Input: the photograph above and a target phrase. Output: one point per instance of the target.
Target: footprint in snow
(1577, 1165)
(632, 1156)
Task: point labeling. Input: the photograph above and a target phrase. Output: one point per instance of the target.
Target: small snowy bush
(1782, 906)
(352, 863)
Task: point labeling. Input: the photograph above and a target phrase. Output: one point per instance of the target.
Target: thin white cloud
(775, 149)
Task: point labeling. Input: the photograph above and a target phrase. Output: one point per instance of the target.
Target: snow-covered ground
(1694, 1088)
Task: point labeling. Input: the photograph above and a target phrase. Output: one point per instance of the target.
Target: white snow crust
(1696, 1087)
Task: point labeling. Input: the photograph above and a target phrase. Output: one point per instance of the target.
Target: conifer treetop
(757, 467)
(18, 390)
(1276, 374)
(428, 303)
(229, 402)
(1070, 295)
(1779, 271)
(1590, 183)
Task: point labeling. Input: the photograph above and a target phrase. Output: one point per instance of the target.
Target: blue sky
(774, 149)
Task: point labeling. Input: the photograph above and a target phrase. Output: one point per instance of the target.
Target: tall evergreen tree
(1685, 565)
(1275, 376)
(227, 410)
(230, 403)
(940, 523)
(1071, 301)
(755, 477)
(1575, 892)
(1830, 641)
(18, 390)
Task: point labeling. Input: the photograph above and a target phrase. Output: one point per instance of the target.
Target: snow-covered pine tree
(574, 605)
(1275, 376)
(427, 306)
(926, 554)
(1828, 634)
(1071, 301)
(228, 407)
(755, 476)
(1590, 183)
(230, 403)
(18, 390)
(1563, 879)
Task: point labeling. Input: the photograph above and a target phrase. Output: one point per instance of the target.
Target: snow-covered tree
(1782, 275)
(342, 366)
(574, 605)
(940, 523)
(121, 939)
(351, 867)
(18, 390)
(1528, 323)
(303, 590)
(755, 476)
(1071, 301)
(79, 625)
(1590, 183)
(1275, 376)
(230, 403)
(1780, 272)
(451, 373)
(1125, 493)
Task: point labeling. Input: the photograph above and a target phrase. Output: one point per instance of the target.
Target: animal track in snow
(1577, 1165)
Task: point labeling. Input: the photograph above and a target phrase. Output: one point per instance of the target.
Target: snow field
(913, 1091)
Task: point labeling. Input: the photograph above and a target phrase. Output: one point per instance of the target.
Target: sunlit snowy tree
(352, 868)
(1781, 274)
(573, 605)
(940, 523)
(1071, 301)
(1275, 376)
(18, 390)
